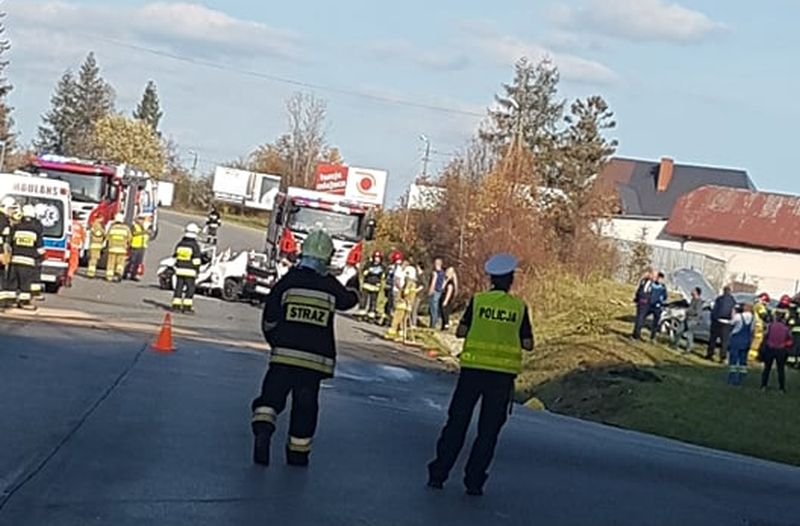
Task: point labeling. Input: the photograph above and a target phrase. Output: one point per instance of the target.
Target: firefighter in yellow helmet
(119, 238)
(298, 325)
(496, 328)
(97, 240)
(27, 250)
(139, 239)
(187, 265)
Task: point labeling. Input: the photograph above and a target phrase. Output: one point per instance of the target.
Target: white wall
(628, 229)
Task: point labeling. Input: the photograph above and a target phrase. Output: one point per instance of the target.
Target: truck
(297, 211)
(51, 200)
(101, 190)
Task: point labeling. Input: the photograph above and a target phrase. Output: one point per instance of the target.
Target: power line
(282, 80)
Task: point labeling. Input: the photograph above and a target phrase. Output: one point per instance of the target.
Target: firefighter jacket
(5, 231)
(213, 220)
(27, 245)
(373, 276)
(138, 237)
(498, 323)
(298, 319)
(97, 236)
(119, 236)
(187, 258)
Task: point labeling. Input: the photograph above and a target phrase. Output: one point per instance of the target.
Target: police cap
(500, 265)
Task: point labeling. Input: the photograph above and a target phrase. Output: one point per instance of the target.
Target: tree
(58, 132)
(529, 107)
(305, 141)
(118, 139)
(7, 135)
(149, 108)
(641, 257)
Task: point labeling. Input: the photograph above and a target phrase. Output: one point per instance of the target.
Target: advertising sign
(331, 178)
(366, 185)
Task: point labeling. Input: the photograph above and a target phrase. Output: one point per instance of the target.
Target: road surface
(95, 428)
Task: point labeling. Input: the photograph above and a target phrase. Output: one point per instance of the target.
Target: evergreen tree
(59, 129)
(94, 99)
(6, 122)
(640, 258)
(149, 109)
(529, 108)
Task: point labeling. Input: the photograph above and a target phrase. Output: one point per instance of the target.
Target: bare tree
(306, 136)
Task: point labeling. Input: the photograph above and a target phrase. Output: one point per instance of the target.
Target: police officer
(373, 277)
(119, 238)
(139, 238)
(27, 250)
(298, 325)
(213, 224)
(187, 264)
(496, 327)
(97, 239)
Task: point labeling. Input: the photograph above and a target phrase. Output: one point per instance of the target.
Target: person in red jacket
(777, 342)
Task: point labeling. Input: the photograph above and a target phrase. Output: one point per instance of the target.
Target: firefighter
(119, 238)
(298, 325)
(6, 206)
(27, 250)
(762, 317)
(187, 264)
(373, 279)
(213, 224)
(97, 239)
(400, 304)
(139, 238)
(395, 263)
(37, 287)
(76, 240)
(496, 327)
(794, 326)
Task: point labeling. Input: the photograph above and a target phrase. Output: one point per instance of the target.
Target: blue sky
(701, 81)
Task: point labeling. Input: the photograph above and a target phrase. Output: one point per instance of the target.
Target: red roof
(741, 217)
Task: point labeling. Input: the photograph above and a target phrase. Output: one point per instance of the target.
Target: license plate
(48, 278)
(261, 290)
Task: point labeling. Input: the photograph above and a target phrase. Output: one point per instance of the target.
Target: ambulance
(51, 200)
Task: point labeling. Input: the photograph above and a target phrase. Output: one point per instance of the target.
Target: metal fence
(668, 260)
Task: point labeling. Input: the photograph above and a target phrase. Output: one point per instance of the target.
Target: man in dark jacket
(27, 251)
(642, 301)
(721, 324)
(690, 324)
(658, 297)
(298, 324)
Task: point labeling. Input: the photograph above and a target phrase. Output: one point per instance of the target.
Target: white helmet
(28, 211)
(9, 204)
(119, 218)
(192, 230)
(411, 273)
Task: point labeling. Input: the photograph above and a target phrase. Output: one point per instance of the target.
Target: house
(647, 192)
(756, 233)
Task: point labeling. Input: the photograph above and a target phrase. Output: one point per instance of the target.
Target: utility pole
(194, 162)
(2, 155)
(426, 158)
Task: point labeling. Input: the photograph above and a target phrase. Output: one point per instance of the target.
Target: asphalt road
(95, 428)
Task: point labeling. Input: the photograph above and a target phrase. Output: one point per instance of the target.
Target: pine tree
(149, 109)
(641, 257)
(58, 132)
(7, 135)
(94, 100)
(529, 107)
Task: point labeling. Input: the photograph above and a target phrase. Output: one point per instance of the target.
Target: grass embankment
(258, 220)
(586, 366)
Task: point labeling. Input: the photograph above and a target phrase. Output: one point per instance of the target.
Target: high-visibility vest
(139, 237)
(118, 238)
(492, 342)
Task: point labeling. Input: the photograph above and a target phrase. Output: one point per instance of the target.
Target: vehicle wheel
(231, 290)
(52, 288)
(165, 280)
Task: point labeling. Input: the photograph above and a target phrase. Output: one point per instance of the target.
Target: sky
(701, 81)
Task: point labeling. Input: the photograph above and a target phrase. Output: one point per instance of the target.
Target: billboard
(331, 178)
(249, 189)
(366, 185)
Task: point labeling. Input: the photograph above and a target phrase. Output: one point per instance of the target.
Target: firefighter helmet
(377, 255)
(119, 218)
(29, 211)
(192, 230)
(9, 204)
(396, 257)
(786, 300)
(318, 245)
(764, 297)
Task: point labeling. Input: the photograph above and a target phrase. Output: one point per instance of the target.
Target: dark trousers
(445, 311)
(371, 302)
(134, 262)
(779, 357)
(303, 385)
(721, 332)
(641, 315)
(495, 391)
(184, 292)
(21, 279)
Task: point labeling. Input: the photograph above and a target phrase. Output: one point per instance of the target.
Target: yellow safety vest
(139, 239)
(118, 238)
(492, 343)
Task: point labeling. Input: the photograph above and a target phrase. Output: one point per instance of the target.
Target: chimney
(665, 174)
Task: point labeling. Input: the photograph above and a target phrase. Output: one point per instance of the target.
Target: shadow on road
(157, 304)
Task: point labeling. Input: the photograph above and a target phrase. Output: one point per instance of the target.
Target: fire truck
(297, 211)
(102, 191)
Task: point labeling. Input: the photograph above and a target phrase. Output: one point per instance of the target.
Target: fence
(668, 260)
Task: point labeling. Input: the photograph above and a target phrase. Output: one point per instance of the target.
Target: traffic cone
(164, 341)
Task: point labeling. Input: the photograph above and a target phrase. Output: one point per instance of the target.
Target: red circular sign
(366, 183)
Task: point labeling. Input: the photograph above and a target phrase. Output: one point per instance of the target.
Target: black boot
(261, 447)
(297, 459)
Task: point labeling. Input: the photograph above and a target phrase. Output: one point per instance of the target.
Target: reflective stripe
(186, 272)
(187, 302)
(197, 262)
(312, 298)
(299, 445)
(302, 359)
(36, 287)
(23, 260)
(24, 296)
(264, 414)
(177, 302)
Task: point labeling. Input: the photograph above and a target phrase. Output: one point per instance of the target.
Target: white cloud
(507, 49)
(638, 20)
(434, 59)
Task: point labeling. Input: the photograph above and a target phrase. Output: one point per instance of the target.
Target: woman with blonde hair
(449, 293)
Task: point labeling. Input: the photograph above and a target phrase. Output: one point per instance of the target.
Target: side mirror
(369, 230)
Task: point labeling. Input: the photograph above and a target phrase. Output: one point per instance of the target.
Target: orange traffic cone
(164, 341)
